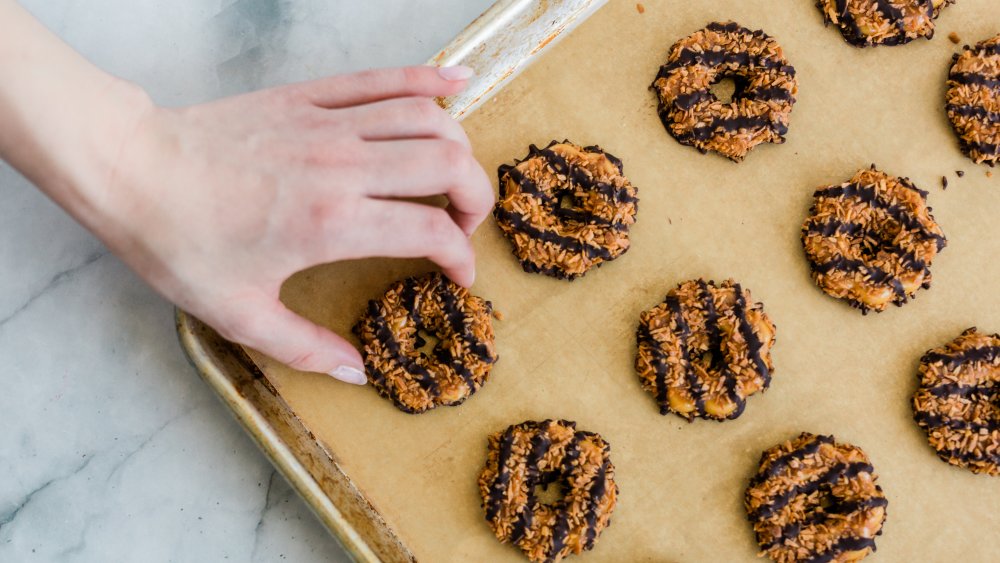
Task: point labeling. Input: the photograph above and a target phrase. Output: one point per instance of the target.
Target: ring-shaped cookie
(958, 402)
(815, 500)
(765, 90)
(865, 23)
(540, 454)
(871, 240)
(566, 209)
(704, 350)
(461, 359)
(974, 100)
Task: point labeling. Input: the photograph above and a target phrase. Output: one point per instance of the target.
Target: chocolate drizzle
(805, 484)
(696, 117)
(587, 232)
(973, 87)
(435, 305)
(958, 401)
(689, 366)
(533, 454)
(899, 33)
(888, 242)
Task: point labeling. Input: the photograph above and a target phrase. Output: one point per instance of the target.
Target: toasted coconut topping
(958, 402)
(973, 100)
(704, 350)
(814, 500)
(566, 209)
(765, 90)
(865, 23)
(871, 240)
(540, 454)
(461, 359)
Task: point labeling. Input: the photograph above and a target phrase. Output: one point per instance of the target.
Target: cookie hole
(728, 88)
(426, 342)
(724, 90)
(567, 201)
(549, 493)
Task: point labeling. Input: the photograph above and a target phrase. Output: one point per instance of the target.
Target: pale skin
(216, 205)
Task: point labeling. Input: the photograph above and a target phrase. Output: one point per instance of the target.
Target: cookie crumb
(640, 8)
(954, 38)
(989, 173)
(960, 173)
(944, 182)
(497, 315)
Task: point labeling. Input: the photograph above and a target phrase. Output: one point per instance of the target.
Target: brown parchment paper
(567, 349)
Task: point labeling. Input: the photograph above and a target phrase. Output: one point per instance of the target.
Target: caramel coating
(566, 209)
(539, 454)
(765, 90)
(704, 350)
(974, 100)
(390, 334)
(815, 500)
(958, 402)
(871, 240)
(865, 23)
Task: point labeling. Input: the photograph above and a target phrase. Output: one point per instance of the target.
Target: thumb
(298, 343)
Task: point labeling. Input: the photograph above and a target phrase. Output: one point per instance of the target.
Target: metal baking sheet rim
(498, 45)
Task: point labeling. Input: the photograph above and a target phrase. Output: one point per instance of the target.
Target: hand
(216, 205)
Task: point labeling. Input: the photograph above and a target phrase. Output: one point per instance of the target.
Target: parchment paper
(567, 349)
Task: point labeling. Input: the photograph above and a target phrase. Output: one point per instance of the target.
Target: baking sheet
(567, 348)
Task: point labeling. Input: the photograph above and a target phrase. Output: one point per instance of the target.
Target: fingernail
(458, 72)
(348, 374)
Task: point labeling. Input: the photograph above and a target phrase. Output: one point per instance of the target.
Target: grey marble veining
(112, 448)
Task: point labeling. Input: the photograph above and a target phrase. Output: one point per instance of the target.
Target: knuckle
(426, 110)
(413, 74)
(440, 229)
(456, 157)
(331, 215)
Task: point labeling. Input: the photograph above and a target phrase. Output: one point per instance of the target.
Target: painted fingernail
(454, 73)
(348, 374)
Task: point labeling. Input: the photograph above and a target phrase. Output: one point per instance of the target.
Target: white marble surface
(112, 448)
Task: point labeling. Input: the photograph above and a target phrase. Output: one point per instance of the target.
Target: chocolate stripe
(821, 516)
(974, 79)
(498, 490)
(938, 421)
(568, 244)
(731, 125)
(754, 344)
(644, 336)
(779, 463)
(834, 227)
(989, 354)
(385, 335)
(840, 546)
(870, 196)
(874, 274)
(596, 493)
(539, 446)
(963, 391)
(975, 112)
(718, 361)
(683, 334)
(829, 477)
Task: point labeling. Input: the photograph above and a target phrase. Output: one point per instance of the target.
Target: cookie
(704, 350)
(865, 23)
(973, 100)
(566, 209)
(815, 500)
(539, 454)
(958, 402)
(460, 362)
(759, 110)
(871, 240)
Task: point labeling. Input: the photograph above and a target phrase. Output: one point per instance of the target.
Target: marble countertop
(112, 448)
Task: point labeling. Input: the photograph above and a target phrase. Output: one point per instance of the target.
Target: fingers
(383, 84)
(268, 326)
(419, 168)
(406, 118)
(400, 229)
